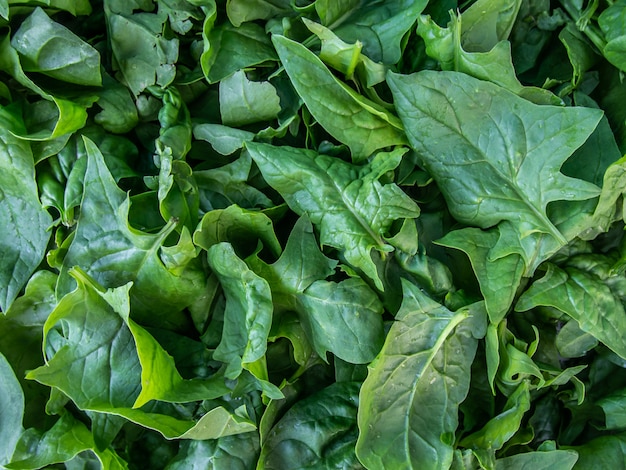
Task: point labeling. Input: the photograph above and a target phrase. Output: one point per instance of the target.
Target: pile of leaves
(286, 234)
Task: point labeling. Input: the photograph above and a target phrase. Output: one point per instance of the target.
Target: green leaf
(142, 55)
(242, 228)
(546, 460)
(494, 64)
(571, 341)
(487, 22)
(585, 298)
(50, 48)
(248, 314)
(236, 48)
(602, 452)
(380, 25)
(346, 58)
(240, 11)
(424, 364)
(238, 452)
(70, 116)
(490, 151)
(106, 363)
(114, 253)
(613, 406)
(243, 101)
(300, 265)
(503, 426)
(344, 318)
(611, 22)
(66, 439)
(225, 140)
(498, 279)
(11, 410)
(352, 119)
(25, 223)
(119, 114)
(352, 208)
(317, 432)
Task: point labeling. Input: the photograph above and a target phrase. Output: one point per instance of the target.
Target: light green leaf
(114, 253)
(424, 365)
(50, 48)
(351, 207)
(608, 210)
(344, 318)
(495, 156)
(352, 119)
(317, 432)
(248, 314)
(225, 140)
(25, 223)
(347, 58)
(585, 298)
(243, 101)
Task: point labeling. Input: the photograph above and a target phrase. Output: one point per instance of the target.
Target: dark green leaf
(318, 432)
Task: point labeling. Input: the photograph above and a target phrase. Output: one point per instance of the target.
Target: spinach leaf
(424, 363)
(352, 208)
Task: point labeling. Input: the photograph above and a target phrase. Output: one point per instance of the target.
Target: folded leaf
(352, 208)
(248, 314)
(301, 264)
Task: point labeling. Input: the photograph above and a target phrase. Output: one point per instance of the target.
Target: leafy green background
(282, 234)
